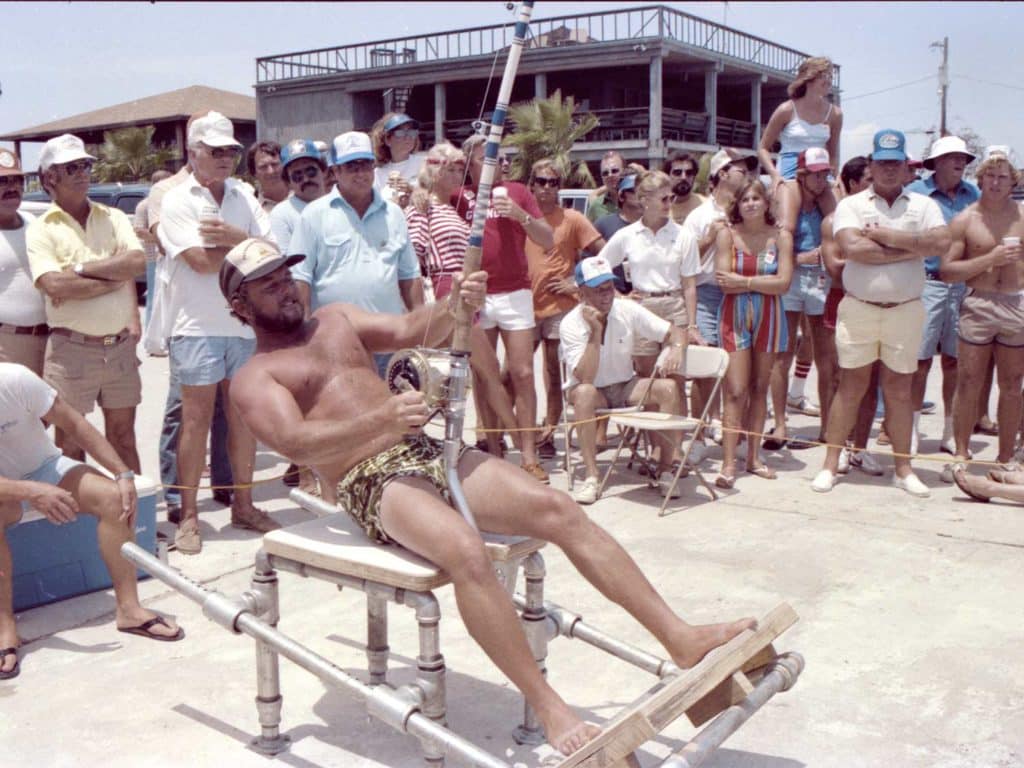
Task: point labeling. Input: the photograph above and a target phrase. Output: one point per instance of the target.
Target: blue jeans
(220, 467)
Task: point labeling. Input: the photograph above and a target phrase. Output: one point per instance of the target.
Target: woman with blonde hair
(396, 143)
(754, 265)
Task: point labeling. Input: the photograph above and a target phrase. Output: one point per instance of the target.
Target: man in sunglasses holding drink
(201, 219)
(84, 258)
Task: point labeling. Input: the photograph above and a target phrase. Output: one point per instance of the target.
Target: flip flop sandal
(13, 671)
(764, 471)
(725, 482)
(143, 630)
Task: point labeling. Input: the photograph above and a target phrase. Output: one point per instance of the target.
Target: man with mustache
(682, 168)
(305, 173)
(23, 328)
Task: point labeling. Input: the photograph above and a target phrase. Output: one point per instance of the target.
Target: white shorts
(512, 311)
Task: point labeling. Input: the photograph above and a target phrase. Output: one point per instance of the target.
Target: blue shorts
(51, 472)
(202, 360)
(807, 291)
(942, 316)
(709, 299)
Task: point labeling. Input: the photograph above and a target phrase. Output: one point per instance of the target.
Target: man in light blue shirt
(306, 175)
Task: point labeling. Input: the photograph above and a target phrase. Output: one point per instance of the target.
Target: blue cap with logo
(298, 149)
(594, 271)
(396, 121)
(889, 145)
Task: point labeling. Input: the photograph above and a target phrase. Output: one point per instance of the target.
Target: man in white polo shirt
(597, 346)
(201, 219)
(884, 233)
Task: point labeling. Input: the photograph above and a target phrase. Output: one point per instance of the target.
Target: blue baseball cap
(594, 271)
(298, 149)
(351, 146)
(397, 121)
(889, 145)
(627, 182)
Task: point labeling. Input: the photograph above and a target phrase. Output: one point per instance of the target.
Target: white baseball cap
(251, 259)
(63, 149)
(814, 159)
(947, 145)
(213, 130)
(728, 156)
(351, 146)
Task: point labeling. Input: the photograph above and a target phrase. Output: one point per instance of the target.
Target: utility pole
(943, 82)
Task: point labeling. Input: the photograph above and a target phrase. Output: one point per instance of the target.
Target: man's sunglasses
(220, 152)
(542, 181)
(72, 169)
(684, 172)
(310, 172)
(12, 181)
(610, 172)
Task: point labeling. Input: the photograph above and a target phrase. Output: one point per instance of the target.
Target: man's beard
(682, 187)
(278, 323)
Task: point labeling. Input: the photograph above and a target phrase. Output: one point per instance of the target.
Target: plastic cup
(499, 192)
(1011, 242)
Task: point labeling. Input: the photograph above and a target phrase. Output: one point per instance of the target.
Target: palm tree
(128, 154)
(549, 128)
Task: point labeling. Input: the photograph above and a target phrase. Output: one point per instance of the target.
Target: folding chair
(699, 363)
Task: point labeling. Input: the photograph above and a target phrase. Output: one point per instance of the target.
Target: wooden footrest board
(670, 698)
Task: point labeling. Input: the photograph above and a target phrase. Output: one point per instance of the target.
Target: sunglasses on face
(405, 133)
(358, 166)
(220, 152)
(12, 181)
(543, 181)
(309, 172)
(683, 172)
(72, 169)
(610, 172)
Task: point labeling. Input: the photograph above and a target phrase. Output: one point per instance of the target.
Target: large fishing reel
(423, 370)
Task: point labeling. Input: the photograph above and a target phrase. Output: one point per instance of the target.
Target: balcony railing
(581, 29)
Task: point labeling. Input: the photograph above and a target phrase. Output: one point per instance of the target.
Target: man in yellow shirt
(84, 258)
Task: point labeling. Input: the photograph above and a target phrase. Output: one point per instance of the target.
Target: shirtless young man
(983, 255)
(311, 392)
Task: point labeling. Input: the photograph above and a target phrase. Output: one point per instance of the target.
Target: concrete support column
(540, 85)
(655, 104)
(755, 108)
(440, 109)
(711, 103)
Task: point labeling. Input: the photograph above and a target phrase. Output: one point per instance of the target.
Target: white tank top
(799, 135)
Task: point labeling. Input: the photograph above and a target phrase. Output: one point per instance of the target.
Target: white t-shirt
(408, 169)
(22, 302)
(697, 224)
(910, 212)
(24, 400)
(196, 305)
(657, 260)
(283, 219)
(626, 320)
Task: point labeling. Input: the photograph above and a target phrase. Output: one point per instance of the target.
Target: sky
(68, 58)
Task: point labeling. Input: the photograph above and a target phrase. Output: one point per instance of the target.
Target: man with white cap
(200, 221)
(23, 328)
(987, 255)
(84, 257)
(597, 345)
(355, 243)
(884, 233)
(947, 159)
(305, 173)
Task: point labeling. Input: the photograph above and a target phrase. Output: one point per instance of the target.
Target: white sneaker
(946, 475)
(588, 492)
(866, 463)
(912, 485)
(717, 433)
(665, 485)
(802, 405)
(844, 461)
(697, 452)
(948, 444)
(824, 481)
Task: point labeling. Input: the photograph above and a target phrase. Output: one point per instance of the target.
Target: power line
(886, 90)
(988, 82)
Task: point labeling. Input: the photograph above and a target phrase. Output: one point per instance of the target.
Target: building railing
(655, 21)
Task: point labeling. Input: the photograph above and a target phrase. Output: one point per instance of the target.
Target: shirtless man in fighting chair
(312, 393)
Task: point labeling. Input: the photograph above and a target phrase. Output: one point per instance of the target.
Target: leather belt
(659, 294)
(84, 338)
(885, 304)
(25, 330)
(929, 275)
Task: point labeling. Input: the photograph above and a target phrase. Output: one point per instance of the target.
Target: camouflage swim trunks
(360, 490)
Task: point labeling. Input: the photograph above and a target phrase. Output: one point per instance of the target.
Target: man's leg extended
(196, 415)
(241, 452)
(586, 400)
(853, 383)
(898, 416)
(1009, 372)
(10, 513)
(119, 426)
(973, 366)
(520, 365)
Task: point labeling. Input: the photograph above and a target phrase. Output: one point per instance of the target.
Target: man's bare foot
(565, 731)
(9, 639)
(137, 616)
(695, 642)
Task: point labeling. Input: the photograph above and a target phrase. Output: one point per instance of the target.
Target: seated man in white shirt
(34, 473)
(597, 345)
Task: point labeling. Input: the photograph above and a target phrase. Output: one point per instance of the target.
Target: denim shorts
(50, 472)
(709, 299)
(202, 360)
(807, 291)
(942, 315)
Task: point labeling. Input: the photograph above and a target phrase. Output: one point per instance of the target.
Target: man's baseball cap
(947, 145)
(397, 121)
(627, 182)
(351, 146)
(814, 159)
(728, 156)
(9, 165)
(249, 260)
(63, 149)
(889, 144)
(594, 271)
(213, 130)
(298, 149)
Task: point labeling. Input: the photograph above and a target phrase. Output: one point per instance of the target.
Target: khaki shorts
(865, 333)
(86, 374)
(24, 349)
(987, 316)
(361, 489)
(671, 308)
(617, 395)
(547, 327)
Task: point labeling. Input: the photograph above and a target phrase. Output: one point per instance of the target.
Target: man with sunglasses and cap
(84, 258)
(200, 221)
(947, 160)
(23, 328)
(305, 173)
